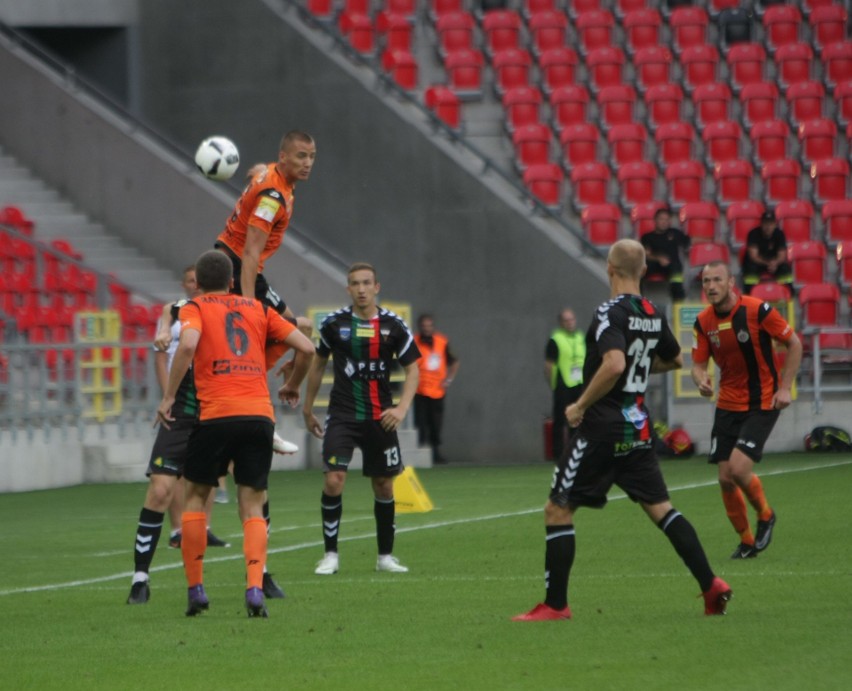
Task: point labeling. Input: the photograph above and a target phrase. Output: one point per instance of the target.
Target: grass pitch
(475, 561)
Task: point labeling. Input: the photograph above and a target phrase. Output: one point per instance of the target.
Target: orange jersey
(740, 342)
(433, 366)
(266, 203)
(230, 359)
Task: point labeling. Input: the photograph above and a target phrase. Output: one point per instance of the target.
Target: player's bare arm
(783, 397)
(180, 365)
(392, 417)
(289, 391)
(164, 328)
(601, 383)
(315, 374)
(702, 379)
(658, 366)
(255, 242)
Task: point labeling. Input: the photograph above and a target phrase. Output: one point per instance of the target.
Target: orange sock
(757, 499)
(254, 548)
(735, 507)
(193, 543)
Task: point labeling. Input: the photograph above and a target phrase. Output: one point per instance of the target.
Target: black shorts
(590, 467)
(168, 454)
(215, 443)
(746, 431)
(382, 455)
(262, 290)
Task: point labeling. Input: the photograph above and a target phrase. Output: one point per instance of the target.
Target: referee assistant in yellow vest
(563, 367)
(438, 367)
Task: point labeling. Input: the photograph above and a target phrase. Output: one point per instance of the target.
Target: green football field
(475, 560)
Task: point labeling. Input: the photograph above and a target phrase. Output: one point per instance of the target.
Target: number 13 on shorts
(392, 456)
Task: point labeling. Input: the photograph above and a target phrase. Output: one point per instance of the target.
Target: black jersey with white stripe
(635, 326)
(363, 351)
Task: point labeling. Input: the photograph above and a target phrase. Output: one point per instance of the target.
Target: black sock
(266, 515)
(686, 543)
(147, 536)
(332, 510)
(385, 511)
(558, 559)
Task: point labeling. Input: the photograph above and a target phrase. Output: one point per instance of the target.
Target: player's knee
(160, 491)
(554, 514)
(334, 482)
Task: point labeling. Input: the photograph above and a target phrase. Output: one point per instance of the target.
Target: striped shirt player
(629, 339)
(364, 340)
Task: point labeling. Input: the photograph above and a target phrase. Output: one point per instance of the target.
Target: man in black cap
(664, 246)
(765, 256)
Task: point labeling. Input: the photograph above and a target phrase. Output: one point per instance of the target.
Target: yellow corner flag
(409, 495)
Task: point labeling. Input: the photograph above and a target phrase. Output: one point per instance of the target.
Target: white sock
(140, 577)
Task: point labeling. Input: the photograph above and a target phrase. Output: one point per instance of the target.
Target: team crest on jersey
(742, 336)
(635, 415)
(345, 333)
(714, 339)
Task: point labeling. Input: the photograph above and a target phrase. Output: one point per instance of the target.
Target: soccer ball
(217, 158)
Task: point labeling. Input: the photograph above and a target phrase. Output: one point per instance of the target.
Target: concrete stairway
(55, 217)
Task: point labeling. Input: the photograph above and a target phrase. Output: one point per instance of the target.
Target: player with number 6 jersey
(364, 340)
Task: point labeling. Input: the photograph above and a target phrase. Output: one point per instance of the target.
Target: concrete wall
(59, 13)
(382, 191)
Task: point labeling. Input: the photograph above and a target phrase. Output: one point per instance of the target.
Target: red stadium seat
(837, 62)
(594, 29)
(577, 7)
(663, 104)
(742, 217)
(653, 66)
(557, 67)
(455, 31)
(808, 262)
(688, 27)
(406, 8)
(502, 29)
(828, 24)
(733, 182)
(844, 265)
(817, 139)
(699, 64)
(702, 253)
(548, 30)
(569, 105)
(589, 182)
(781, 25)
(530, 8)
(579, 143)
(511, 68)
(820, 304)
(700, 221)
(638, 181)
(359, 30)
(712, 103)
(781, 179)
(805, 101)
(642, 217)
(604, 66)
(17, 219)
(627, 143)
(759, 102)
(674, 142)
(623, 7)
(616, 104)
(837, 219)
(686, 181)
(397, 30)
(769, 291)
(843, 98)
(444, 103)
(769, 140)
(356, 7)
(521, 105)
(532, 145)
(793, 62)
(402, 66)
(722, 141)
(544, 181)
(830, 178)
(464, 69)
(745, 61)
(601, 223)
(642, 28)
(438, 8)
(796, 220)
(322, 10)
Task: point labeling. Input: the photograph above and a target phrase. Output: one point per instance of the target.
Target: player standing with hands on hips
(364, 339)
(738, 332)
(629, 339)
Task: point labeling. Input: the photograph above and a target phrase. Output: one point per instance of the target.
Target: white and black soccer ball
(217, 158)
